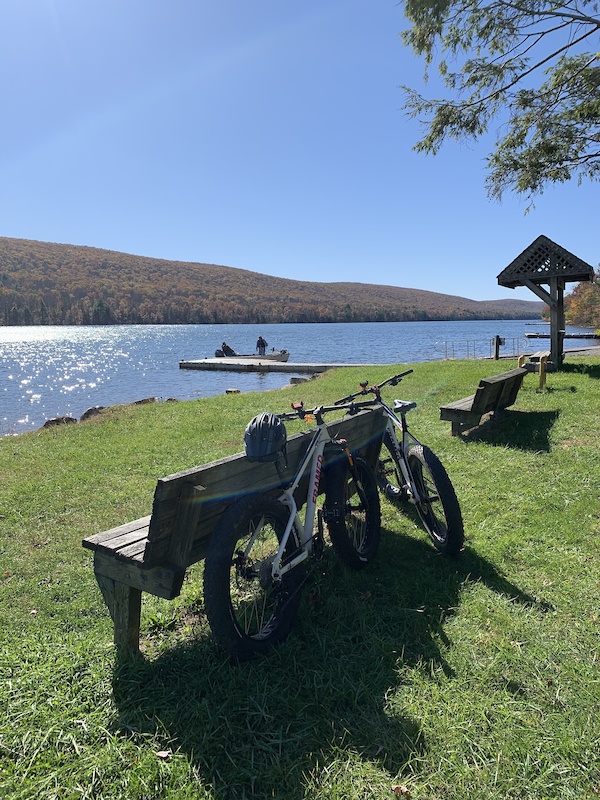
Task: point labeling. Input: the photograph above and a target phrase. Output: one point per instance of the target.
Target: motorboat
(281, 355)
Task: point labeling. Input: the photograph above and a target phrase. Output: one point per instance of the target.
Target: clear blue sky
(262, 134)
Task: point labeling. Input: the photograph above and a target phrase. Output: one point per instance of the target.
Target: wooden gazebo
(545, 262)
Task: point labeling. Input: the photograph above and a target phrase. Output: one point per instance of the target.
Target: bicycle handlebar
(366, 389)
(300, 412)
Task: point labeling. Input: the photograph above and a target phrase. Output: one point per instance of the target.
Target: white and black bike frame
(396, 418)
(314, 457)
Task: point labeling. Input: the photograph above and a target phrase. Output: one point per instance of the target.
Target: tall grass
(472, 677)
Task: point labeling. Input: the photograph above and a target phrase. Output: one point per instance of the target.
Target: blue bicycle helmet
(265, 438)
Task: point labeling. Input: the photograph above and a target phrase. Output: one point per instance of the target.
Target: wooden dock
(256, 365)
(564, 335)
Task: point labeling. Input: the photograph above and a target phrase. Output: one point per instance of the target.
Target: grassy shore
(474, 677)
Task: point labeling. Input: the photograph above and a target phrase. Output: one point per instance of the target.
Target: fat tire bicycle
(408, 472)
(255, 563)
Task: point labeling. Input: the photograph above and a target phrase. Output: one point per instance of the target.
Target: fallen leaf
(164, 754)
(401, 791)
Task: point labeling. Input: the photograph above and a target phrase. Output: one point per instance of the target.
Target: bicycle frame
(394, 420)
(313, 456)
(401, 446)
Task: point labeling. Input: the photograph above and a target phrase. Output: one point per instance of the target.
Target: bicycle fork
(408, 483)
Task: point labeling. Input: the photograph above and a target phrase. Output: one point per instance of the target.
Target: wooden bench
(152, 554)
(538, 362)
(541, 354)
(493, 395)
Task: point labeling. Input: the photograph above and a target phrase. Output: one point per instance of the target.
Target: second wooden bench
(493, 395)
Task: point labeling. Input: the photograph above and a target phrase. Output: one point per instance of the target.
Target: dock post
(498, 340)
(543, 361)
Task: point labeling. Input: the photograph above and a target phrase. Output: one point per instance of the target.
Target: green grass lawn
(473, 677)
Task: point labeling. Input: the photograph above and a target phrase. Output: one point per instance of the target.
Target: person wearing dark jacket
(227, 350)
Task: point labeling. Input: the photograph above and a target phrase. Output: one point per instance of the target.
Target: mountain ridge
(52, 283)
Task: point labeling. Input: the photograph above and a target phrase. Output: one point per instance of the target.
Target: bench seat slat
(129, 546)
(92, 542)
(460, 405)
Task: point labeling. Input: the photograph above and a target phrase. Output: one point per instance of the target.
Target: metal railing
(481, 348)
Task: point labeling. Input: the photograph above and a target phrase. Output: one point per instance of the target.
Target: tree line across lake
(53, 284)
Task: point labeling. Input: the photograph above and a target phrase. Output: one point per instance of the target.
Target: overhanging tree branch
(551, 127)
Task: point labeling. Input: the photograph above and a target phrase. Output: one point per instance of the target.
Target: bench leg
(125, 605)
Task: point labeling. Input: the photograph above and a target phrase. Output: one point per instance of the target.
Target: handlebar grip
(396, 378)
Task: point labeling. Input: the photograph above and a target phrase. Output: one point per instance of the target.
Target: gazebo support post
(555, 300)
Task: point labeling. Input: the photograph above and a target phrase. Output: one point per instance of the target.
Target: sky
(267, 135)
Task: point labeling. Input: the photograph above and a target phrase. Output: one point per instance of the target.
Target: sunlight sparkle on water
(53, 371)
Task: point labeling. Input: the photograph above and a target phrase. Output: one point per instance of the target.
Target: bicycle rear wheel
(353, 512)
(248, 611)
(438, 507)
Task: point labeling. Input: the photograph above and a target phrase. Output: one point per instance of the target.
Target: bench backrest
(498, 391)
(188, 504)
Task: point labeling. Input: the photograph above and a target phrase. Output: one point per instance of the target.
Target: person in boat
(261, 346)
(227, 350)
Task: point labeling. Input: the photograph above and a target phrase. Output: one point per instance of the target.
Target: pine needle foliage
(532, 67)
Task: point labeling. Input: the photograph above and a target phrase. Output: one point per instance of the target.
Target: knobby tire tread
(221, 579)
(447, 535)
(354, 533)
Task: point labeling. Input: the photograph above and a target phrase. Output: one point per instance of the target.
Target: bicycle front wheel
(248, 611)
(438, 506)
(352, 512)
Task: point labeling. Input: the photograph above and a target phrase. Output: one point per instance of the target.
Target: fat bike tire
(389, 475)
(438, 508)
(353, 512)
(248, 611)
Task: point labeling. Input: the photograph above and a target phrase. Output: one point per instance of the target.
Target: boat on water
(281, 355)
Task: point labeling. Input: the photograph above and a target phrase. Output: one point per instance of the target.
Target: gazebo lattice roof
(542, 260)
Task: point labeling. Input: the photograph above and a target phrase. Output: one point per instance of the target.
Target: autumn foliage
(582, 305)
(56, 284)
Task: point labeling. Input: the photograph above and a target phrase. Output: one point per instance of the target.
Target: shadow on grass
(329, 705)
(522, 430)
(591, 370)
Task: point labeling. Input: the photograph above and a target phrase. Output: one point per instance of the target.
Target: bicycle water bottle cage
(265, 438)
(402, 406)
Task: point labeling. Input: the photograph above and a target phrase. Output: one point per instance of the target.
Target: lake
(54, 371)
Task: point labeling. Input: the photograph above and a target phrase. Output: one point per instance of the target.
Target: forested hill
(43, 283)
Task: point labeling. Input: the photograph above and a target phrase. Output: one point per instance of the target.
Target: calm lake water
(54, 371)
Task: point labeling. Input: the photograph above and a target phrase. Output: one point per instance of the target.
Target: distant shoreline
(50, 283)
